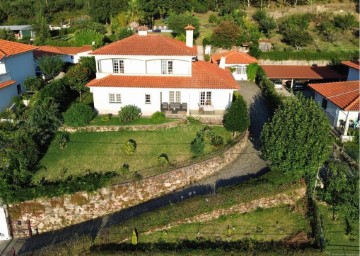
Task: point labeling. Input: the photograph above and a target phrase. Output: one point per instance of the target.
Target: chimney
(189, 35)
(142, 31)
(222, 62)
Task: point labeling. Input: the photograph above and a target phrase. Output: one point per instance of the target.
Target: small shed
(265, 45)
(20, 31)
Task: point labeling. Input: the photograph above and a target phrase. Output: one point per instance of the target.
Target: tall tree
(226, 34)
(78, 76)
(297, 139)
(178, 22)
(50, 65)
(236, 117)
(295, 30)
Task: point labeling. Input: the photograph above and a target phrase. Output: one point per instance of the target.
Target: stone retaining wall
(295, 62)
(116, 128)
(56, 213)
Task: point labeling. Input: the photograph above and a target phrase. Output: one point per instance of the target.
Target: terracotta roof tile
(205, 75)
(343, 94)
(8, 48)
(234, 57)
(147, 45)
(352, 64)
(56, 50)
(300, 72)
(7, 83)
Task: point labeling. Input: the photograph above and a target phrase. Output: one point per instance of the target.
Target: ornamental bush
(79, 115)
(163, 159)
(216, 140)
(129, 147)
(158, 117)
(197, 146)
(62, 138)
(129, 113)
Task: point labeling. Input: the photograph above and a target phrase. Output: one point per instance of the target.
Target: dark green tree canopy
(178, 22)
(297, 139)
(50, 65)
(236, 118)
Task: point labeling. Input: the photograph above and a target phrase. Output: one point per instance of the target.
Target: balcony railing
(5, 77)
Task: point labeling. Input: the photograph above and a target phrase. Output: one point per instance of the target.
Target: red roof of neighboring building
(147, 45)
(204, 75)
(300, 72)
(8, 48)
(7, 83)
(234, 57)
(57, 50)
(343, 94)
(352, 64)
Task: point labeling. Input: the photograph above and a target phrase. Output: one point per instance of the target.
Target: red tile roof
(352, 64)
(300, 72)
(8, 48)
(234, 57)
(57, 50)
(7, 83)
(147, 45)
(204, 75)
(343, 94)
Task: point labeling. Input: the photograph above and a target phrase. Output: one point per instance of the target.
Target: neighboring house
(340, 100)
(354, 68)
(21, 31)
(16, 64)
(158, 73)
(238, 61)
(265, 45)
(66, 54)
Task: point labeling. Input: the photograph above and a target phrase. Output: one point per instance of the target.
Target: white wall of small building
(20, 67)
(221, 99)
(4, 228)
(6, 95)
(144, 65)
(353, 74)
(238, 77)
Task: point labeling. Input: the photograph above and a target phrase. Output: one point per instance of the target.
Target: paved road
(246, 166)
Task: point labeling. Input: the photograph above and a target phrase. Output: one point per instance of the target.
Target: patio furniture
(201, 108)
(164, 106)
(209, 108)
(183, 106)
(174, 105)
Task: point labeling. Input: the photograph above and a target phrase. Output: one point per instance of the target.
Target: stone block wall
(49, 214)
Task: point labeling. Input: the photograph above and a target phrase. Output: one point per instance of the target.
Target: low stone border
(113, 128)
(49, 214)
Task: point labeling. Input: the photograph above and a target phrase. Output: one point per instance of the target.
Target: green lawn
(263, 224)
(102, 151)
(114, 120)
(338, 242)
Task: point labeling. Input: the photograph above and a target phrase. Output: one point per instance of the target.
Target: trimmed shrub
(158, 117)
(125, 169)
(78, 115)
(193, 120)
(216, 140)
(62, 138)
(163, 159)
(197, 146)
(129, 113)
(129, 147)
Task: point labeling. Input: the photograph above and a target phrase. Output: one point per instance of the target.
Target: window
(324, 103)
(166, 67)
(147, 99)
(241, 70)
(118, 66)
(205, 98)
(114, 98)
(174, 96)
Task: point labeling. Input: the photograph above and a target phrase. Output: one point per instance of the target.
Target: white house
(157, 73)
(354, 70)
(236, 60)
(341, 101)
(16, 64)
(4, 227)
(66, 54)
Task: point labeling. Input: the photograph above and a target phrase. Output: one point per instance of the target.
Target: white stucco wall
(4, 229)
(20, 67)
(6, 96)
(353, 74)
(146, 65)
(136, 96)
(237, 77)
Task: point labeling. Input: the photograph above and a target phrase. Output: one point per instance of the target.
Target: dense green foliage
(62, 138)
(236, 117)
(34, 84)
(294, 29)
(178, 22)
(266, 22)
(251, 71)
(158, 117)
(87, 37)
(129, 113)
(197, 145)
(50, 65)
(78, 115)
(296, 140)
(6, 34)
(78, 76)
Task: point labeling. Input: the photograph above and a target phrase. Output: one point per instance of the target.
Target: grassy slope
(102, 151)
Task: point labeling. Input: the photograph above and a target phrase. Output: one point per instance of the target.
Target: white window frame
(118, 66)
(205, 98)
(114, 98)
(174, 96)
(167, 67)
(147, 98)
(241, 70)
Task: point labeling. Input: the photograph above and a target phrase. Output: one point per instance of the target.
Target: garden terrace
(102, 151)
